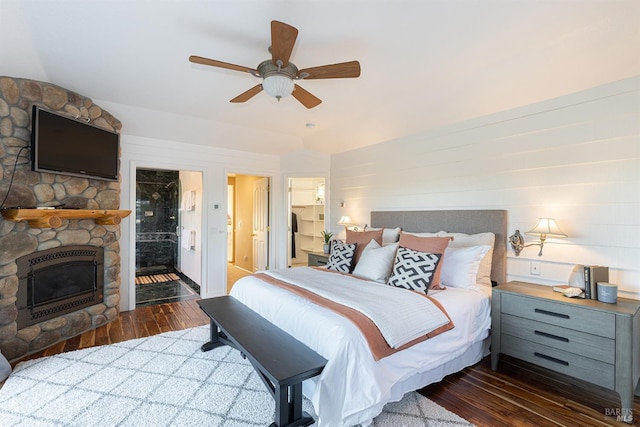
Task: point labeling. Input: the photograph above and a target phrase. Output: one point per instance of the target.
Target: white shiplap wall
(574, 158)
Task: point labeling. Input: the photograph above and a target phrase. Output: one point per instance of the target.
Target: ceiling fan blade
(343, 70)
(245, 96)
(283, 37)
(305, 98)
(220, 64)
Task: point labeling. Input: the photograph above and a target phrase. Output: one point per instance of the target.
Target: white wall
(214, 164)
(574, 158)
(191, 259)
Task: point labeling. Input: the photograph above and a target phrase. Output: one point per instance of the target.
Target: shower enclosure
(157, 204)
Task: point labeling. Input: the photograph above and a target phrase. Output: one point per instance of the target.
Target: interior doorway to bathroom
(168, 227)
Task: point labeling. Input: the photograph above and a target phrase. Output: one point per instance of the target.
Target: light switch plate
(535, 268)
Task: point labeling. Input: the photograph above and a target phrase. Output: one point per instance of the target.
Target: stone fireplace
(19, 239)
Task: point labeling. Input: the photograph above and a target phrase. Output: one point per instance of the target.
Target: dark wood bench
(282, 362)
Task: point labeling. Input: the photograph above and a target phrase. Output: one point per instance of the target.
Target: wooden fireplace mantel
(42, 218)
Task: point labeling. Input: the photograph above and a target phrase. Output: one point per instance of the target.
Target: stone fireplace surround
(29, 188)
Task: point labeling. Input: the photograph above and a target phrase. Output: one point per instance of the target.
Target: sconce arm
(517, 243)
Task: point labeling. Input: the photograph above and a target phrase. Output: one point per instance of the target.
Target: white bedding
(353, 387)
(380, 303)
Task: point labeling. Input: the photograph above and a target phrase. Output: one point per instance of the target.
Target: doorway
(248, 225)
(165, 234)
(306, 219)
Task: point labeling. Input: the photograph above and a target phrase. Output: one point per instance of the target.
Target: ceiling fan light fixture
(277, 85)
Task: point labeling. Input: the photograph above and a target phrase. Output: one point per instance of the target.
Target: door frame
(286, 204)
(129, 276)
(271, 244)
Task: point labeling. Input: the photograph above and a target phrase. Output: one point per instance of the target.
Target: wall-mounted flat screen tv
(63, 145)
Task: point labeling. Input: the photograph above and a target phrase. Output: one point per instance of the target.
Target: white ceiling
(425, 63)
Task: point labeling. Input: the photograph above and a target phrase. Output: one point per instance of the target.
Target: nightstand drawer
(317, 260)
(569, 340)
(560, 361)
(564, 315)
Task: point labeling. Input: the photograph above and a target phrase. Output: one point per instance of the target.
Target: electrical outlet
(535, 268)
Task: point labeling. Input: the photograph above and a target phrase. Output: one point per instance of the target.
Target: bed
(354, 386)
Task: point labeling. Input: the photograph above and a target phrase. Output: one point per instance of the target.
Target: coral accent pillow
(362, 238)
(433, 245)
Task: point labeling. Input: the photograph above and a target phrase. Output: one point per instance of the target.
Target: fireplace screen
(61, 281)
(57, 281)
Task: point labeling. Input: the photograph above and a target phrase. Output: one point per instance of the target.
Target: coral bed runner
(156, 278)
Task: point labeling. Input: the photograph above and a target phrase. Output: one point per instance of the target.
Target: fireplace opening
(58, 281)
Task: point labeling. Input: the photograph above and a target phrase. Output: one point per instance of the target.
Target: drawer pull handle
(551, 359)
(551, 313)
(553, 337)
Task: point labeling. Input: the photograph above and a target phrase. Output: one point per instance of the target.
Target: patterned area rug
(156, 278)
(163, 380)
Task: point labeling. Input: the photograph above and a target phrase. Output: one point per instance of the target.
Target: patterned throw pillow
(341, 258)
(413, 270)
(426, 242)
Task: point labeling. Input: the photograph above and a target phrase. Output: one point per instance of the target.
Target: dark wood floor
(521, 394)
(139, 323)
(518, 394)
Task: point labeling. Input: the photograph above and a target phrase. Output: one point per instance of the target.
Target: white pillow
(461, 240)
(460, 265)
(376, 262)
(389, 235)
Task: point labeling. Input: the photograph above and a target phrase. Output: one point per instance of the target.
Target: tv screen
(63, 145)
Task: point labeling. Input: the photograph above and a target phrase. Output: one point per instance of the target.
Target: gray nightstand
(317, 259)
(583, 338)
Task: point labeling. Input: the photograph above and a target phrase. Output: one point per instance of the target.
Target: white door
(260, 231)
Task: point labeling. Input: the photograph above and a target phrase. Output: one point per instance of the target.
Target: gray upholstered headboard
(463, 221)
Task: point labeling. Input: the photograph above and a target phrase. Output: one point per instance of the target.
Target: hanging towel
(188, 239)
(192, 239)
(189, 200)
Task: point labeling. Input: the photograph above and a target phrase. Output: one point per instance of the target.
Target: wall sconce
(545, 227)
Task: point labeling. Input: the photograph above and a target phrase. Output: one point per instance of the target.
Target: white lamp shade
(277, 86)
(344, 220)
(546, 227)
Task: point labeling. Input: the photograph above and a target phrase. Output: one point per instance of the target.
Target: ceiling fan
(278, 74)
